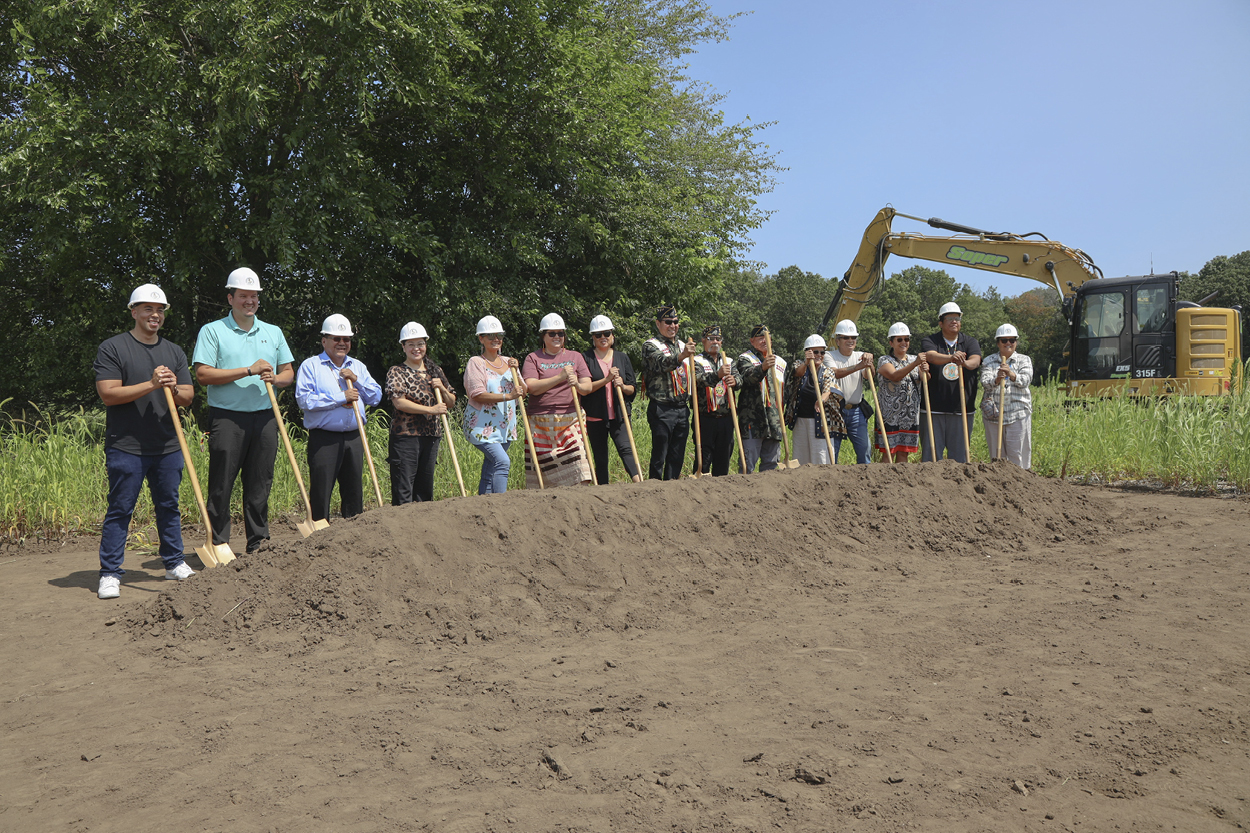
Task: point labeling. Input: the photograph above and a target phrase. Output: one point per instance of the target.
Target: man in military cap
(668, 392)
(761, 375)
(712, 394)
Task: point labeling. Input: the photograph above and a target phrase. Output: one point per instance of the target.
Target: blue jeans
(495, 468)
(126, 475)
(857, 432)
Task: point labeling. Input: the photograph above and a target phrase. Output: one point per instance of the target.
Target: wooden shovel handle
(629, 429)
(694, 410)
(290, 452)
(186, 458)
(733, 410)
(820, 406)
(525, 421)
(455, 461)
(876, 403)
(364, 440)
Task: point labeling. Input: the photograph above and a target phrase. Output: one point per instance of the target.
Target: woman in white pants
(1015, 370)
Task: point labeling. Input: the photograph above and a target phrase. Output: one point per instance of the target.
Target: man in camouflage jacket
(712, 393)
(668, 394)
(759, 414)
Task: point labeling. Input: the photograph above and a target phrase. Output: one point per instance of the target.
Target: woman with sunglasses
(900, 395)
(1015, 370)
(850, 368)
(809, 430)
(490, 413)
(609, 368)
(415, 429)
(551, 373)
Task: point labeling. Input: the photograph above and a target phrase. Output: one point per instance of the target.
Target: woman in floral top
(490, 416)
(415, 428)
(900, 395)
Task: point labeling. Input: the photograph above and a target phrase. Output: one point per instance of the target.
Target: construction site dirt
(933, 647)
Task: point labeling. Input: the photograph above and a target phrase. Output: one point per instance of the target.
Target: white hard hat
(600, 324)
(814, 341)
(1006, 331)
(948, 308)
(412, 330)
(489, 324)
(243, 278)
(898, 328)
(846, 327)
(149, 293)
(336, 325)
(551, 321)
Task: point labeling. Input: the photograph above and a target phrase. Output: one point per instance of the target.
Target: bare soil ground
(932, 647)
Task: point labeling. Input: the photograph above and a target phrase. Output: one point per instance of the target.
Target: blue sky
(1120, 128)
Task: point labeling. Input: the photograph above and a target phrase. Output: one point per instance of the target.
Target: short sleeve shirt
(143, 426)
(222, 344)
(543, 365)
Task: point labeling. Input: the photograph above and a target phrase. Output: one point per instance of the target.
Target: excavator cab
(1133, 334)
(1122, 328)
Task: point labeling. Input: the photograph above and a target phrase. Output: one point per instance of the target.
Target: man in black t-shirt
(140, 442)
(946, 352)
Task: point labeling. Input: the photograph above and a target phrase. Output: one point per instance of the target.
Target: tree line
(401, 160)
(394, 160)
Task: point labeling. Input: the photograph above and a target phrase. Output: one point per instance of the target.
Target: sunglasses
(902, 338)
(847, 338)
(1007, 341)
(818, 352)
(608, 334)
(493, 336)
(670, 321)
(556, 333)
(340, 339)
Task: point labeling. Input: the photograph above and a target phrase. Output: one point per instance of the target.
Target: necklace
(497, 365)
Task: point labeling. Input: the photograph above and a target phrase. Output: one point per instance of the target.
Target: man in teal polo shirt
(234, 357)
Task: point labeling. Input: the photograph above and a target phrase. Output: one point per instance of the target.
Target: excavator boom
(1042, 260)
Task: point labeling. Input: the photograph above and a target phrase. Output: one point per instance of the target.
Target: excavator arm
(1026, 256)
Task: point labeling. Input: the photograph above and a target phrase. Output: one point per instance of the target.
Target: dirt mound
(650, 555)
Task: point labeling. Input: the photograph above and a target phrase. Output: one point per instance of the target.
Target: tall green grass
(53, 481)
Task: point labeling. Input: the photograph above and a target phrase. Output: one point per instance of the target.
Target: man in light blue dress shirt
(335, 451)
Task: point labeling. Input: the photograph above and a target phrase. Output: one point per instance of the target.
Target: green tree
(1038, 316)
(394, 160)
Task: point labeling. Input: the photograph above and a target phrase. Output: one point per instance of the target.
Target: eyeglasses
(818, 352)
(493, 336)
(1007, 341)
(340, 339)
(902, 338)
(415, 344)
(608, 334)
(713, 338)
(670, 321)
(556, 333)
(847, 338)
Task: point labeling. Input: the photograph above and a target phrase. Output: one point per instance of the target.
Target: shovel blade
(305, 527)
(323, 523)
(208, 555)
(792, 464)
(214, 555)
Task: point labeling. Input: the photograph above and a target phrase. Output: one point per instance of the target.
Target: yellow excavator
(1128, 332)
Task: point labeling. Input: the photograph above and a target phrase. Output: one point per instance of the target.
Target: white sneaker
(110, 587)
(180, 572)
